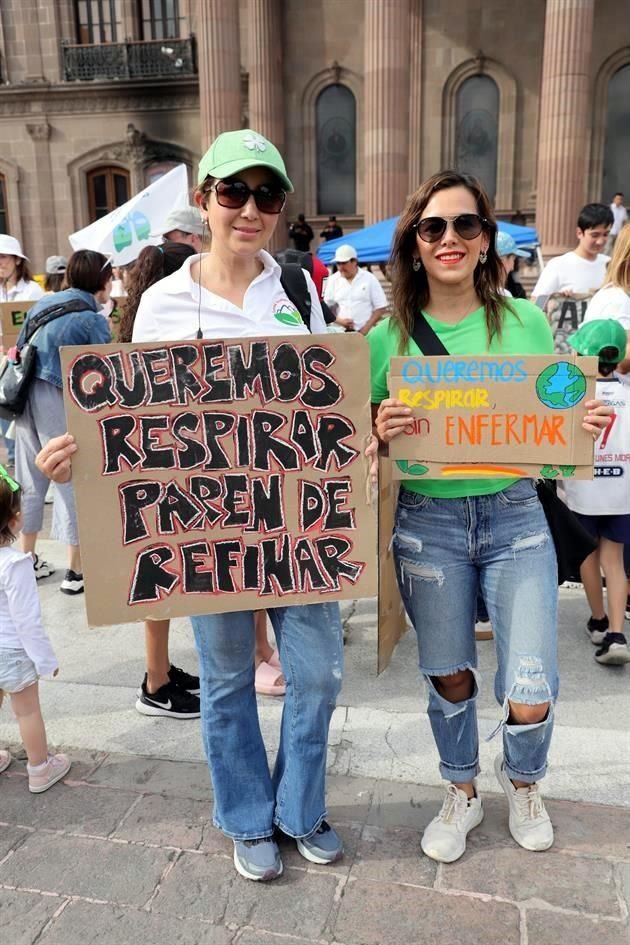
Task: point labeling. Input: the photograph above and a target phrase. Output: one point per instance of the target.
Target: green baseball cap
(235, 151)
(593, 337)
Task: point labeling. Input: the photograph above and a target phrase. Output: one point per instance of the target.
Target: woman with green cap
(234, 290)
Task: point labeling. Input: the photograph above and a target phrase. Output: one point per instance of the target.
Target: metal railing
(137, 60)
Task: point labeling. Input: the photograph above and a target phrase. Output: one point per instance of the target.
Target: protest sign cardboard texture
(485, 416)
(215, 476)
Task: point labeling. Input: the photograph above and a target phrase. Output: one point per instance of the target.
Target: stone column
(386, 124)
(219, 55)
(563, 137)
(266, 106)
(41, 241)
(415, 96)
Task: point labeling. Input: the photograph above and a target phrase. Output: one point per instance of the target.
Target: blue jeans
(249, 801)
(446, 550)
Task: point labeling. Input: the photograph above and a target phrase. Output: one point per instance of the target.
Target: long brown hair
(619, 265)
(410, 289)
(153, 263)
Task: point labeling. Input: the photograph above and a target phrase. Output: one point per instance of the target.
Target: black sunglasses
(466, 225)
(234, 194)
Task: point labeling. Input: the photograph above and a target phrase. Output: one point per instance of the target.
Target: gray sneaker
(322, 846)
(258, 859)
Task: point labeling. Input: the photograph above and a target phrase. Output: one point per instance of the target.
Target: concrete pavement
(124, 850)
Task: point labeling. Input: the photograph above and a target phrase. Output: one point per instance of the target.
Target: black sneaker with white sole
(42, 568)
(72, 583)
(614, 651)
(184, 680)
(628, 608)
(597, 630)
(169, 701)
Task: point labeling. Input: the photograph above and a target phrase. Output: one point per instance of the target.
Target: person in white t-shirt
(26, 652)
(234, 290)
(613, 299)
(603, 504)
(620, 217)
(583, 270)
(354, 295)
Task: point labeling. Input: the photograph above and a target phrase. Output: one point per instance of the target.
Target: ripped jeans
(445, 551)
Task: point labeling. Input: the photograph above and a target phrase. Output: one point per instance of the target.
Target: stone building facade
(366, 98)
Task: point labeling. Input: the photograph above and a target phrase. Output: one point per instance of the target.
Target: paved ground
(124, 852)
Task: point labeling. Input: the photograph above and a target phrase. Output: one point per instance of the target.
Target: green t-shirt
(526, 332)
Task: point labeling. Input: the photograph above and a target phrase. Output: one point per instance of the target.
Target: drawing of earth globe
(561, 386)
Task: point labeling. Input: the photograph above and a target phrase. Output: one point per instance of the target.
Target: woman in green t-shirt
(456, 537)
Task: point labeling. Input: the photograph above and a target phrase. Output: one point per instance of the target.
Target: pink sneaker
(5, 760)
(54, 770)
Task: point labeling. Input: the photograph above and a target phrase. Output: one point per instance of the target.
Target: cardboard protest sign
(392, 621)
(484, 416)
(565, 314)
(12, 317)
(215, 476)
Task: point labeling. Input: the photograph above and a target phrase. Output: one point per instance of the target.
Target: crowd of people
(456, 542)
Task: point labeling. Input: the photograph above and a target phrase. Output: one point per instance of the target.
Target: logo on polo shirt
(286, 313)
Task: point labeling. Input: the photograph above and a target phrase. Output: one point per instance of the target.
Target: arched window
(616, 176)
(477, 126)
(336, 122)
(108, 188)
(4, 213)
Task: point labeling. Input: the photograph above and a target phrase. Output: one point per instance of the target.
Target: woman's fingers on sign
(55, 459)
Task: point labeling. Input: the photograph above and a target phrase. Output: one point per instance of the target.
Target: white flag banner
(124, 232)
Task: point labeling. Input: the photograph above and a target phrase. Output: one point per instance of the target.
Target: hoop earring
(416, 265)
(483, 257)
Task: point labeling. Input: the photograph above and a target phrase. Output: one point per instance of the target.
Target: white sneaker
(444, 839)
(529, 821)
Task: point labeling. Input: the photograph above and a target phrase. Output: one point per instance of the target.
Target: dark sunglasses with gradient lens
(234, 194)
(467, 225)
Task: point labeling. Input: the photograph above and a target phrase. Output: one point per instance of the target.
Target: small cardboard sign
(12, 317)
(392, 620)
(565, 314)
(485, 416)
(215, 476)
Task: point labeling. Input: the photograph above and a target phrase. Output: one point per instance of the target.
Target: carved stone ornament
(39, 131)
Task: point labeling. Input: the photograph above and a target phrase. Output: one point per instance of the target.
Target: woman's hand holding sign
(597, 417)
(55, 459)
(392, 418)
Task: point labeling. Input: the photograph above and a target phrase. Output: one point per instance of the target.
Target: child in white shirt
(25, 650)
(603, 504)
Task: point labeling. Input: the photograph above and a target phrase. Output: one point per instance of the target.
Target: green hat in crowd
(601, 333)
(235, 151)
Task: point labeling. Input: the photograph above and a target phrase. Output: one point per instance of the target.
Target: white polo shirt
(357, 298)
(174, 308)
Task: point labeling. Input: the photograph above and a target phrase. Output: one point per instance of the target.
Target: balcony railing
(143, 60)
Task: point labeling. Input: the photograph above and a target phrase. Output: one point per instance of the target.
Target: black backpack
(294, 284)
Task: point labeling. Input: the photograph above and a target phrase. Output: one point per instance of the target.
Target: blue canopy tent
(374, 243)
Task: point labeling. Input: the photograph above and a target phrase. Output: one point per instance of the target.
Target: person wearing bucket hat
(16, 282)
(603, 504)
(234, 289)
(509, 253)
(354, 295)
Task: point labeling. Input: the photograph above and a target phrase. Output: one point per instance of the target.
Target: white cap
(186, 219)
(345, 253)
(9, 246)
